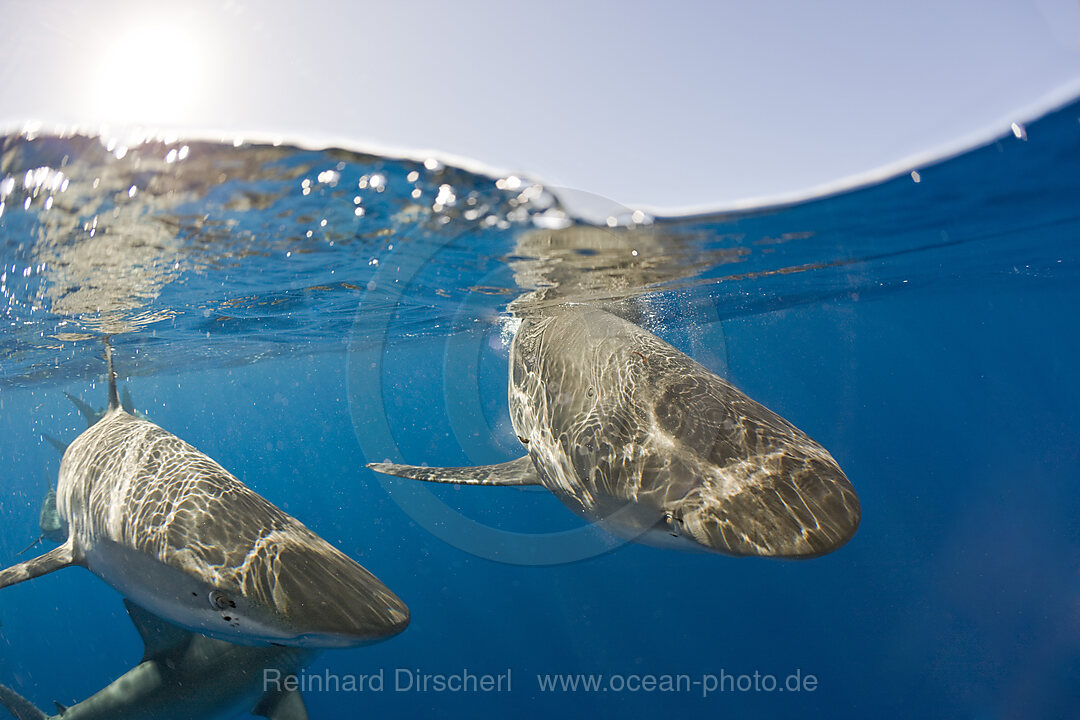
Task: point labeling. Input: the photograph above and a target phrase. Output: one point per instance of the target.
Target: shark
(630, 432)
(184, 675)
(177, 534)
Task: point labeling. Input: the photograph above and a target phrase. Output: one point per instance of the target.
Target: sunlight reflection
(152, 70)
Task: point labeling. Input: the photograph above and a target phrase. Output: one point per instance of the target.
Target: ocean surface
(297, 313)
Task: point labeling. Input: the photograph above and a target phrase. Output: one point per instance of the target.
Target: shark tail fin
(55, 559)
(19, 707)
(515, 472)
(114, 398)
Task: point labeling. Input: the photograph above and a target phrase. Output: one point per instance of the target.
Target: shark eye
(673, 524)
(220, 601)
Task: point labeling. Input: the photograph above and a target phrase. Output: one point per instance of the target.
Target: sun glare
(149, 73)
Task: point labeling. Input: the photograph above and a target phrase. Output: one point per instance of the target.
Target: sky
(667, 106)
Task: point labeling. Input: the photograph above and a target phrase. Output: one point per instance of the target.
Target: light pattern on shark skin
(128, 482)
(53, 527)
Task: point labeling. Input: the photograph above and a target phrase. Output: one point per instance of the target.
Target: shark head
(306, 593)
(789, 504)
(182, 537)
(299, 608)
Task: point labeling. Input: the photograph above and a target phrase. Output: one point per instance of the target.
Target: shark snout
(807, 510)
(318, 628)
(395, 620)
(323, 598)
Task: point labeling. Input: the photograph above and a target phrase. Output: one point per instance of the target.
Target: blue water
(924, 332)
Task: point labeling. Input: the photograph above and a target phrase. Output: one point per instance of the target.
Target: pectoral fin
(159, 636)
(516, 472)
(90, 414)
(281, 706)
(59, 557)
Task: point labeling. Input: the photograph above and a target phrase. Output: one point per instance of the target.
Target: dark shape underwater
(185, 675)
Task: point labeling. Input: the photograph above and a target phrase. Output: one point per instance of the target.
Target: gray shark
(184, 675)
(172, 530)
(625, 429)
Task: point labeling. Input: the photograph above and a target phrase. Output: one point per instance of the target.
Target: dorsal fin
(114, 398)
(157, 635)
